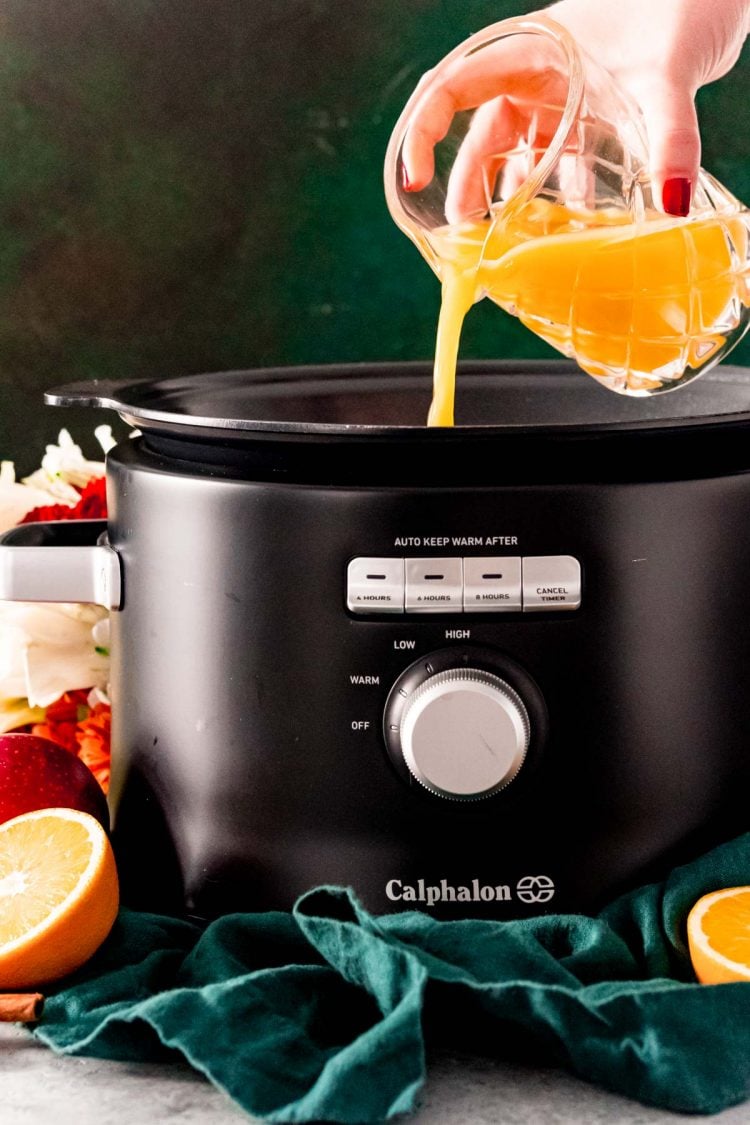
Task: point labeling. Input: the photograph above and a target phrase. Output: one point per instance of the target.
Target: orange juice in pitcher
(559, 227)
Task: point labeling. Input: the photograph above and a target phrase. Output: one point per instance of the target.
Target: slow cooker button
(551, 582)
(434, 586)
(492, 585)
(375, 585)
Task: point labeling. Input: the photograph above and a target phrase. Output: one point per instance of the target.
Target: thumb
(674, 143)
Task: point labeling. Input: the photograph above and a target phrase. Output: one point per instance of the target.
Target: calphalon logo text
(529, 889)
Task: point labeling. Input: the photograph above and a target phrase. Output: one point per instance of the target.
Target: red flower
(93, 737)
(49, 512)
(61, 720)
(82, 730)
(92, 505)
(93, 502)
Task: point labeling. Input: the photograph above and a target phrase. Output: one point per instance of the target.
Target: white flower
(17, 500)
(47, 649)
(65, 469)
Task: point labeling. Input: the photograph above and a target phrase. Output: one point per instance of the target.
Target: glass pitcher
(541, 199)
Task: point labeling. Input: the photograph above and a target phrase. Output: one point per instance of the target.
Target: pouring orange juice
(561, 230)
(637, 305)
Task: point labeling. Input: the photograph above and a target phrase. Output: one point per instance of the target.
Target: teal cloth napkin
(324, 1014)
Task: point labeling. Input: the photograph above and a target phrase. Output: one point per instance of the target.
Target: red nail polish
(675, 196)
(405, 179)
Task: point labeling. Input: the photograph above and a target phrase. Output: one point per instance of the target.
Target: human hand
(660, 52)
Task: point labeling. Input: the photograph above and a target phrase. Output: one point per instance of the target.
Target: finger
(674, 143)
(504, 143)
(493, 134)
(429, 125)
(518, 64)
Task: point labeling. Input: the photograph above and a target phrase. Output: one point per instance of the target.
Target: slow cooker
(482, 671)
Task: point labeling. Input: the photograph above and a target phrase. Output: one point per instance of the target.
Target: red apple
(36, 773)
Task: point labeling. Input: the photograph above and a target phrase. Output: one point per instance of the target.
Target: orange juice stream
(635, 304)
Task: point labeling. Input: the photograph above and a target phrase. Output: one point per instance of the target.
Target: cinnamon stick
(20, 1007)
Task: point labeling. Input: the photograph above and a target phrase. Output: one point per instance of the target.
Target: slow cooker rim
(113, 395)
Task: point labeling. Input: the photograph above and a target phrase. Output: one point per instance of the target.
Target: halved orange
(718, 930)
(58, 895)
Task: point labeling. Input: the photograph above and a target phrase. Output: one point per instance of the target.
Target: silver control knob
(464, 734)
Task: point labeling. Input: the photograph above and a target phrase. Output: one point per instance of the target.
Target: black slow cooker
(484, 671)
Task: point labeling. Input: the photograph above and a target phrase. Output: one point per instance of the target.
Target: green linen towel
(324, 1014)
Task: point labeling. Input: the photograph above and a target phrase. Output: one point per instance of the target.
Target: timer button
(464, 734)
(434, 585)
(492, 585)
(375, 585)
(551, 582)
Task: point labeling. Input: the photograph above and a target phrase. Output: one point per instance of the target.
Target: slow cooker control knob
(464, 733)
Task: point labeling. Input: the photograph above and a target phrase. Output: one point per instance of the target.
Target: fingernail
(675, 196)
(405, 179)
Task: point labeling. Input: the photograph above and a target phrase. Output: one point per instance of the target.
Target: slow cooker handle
(60, 561)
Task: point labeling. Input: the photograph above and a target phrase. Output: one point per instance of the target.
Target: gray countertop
(38, 1086)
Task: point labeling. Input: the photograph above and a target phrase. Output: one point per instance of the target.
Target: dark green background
(192, 185)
